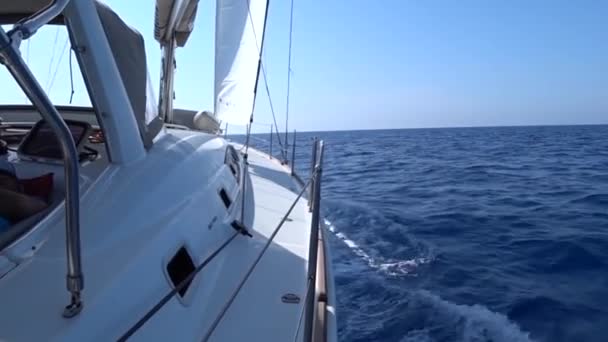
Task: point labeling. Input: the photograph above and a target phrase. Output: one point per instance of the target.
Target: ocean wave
(593, 199)
(501, 217)
(466, 323)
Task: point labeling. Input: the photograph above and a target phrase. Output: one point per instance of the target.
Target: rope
(57, 67)
(218, 319)
(71, 78)
(263, 70)
(175, 290)
(48, 76)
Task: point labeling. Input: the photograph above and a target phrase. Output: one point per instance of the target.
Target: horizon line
(435, 127)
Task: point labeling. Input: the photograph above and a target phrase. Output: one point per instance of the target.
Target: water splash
(391, 267)
(471, 323)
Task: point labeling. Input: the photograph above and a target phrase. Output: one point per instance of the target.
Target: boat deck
(268, 318)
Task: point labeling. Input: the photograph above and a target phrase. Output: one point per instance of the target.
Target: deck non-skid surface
(258, 312)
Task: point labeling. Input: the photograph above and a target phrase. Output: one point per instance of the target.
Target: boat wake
(415, 315)
(467, 323)
(391, 267)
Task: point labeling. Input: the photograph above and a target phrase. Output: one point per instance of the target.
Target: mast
(173, 24)
(166, 80)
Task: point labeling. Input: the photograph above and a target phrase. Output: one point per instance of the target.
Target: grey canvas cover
(129, 52)
(183, 28)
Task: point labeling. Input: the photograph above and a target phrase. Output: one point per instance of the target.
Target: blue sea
(467, 234)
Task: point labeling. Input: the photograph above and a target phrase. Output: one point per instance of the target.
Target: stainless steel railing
(11, 58)
(293, 154)
(29, 26)
(311, 194)
(315, 186)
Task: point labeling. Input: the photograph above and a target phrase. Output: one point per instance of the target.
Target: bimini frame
(109, 99)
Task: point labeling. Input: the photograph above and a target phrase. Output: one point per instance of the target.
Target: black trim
(60, 108)
(13, 18)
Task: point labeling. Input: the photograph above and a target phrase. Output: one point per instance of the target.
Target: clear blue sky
(396, 63)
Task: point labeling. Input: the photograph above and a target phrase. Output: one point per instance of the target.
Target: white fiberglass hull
(133, 220)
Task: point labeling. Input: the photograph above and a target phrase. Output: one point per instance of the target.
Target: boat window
(47, 54)
(179, 268)
(232, 160)
(225, 198)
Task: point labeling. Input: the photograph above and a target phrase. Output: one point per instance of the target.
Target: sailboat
(158, 230)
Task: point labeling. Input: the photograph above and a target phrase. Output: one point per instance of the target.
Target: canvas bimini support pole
(167, 80)
(11, 58)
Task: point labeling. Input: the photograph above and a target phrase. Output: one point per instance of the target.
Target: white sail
(239, 30)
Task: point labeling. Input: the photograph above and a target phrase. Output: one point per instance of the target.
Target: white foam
(476, 322)
(402, 266)
(417, 336)
(390, 267)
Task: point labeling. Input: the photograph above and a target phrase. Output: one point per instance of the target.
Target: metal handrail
(297, 333)
(315, 147)
(314, 241)
(30, 25)
(11, 58)
(293, 154)
(310, 299)
(270, 145)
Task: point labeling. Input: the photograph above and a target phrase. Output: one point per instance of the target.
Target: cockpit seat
(24, 202)
(18, 229)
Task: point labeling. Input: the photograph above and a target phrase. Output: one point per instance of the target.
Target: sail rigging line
(272, 110)
(53, 51)
(261, 68)
(63, 49)
(27, 52)
(71, 77)
(27, 61)
(175, 290)
(288, 77)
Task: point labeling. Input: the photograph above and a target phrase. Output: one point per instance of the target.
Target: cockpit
(31, 164)
(118, 124)
(54, 159)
